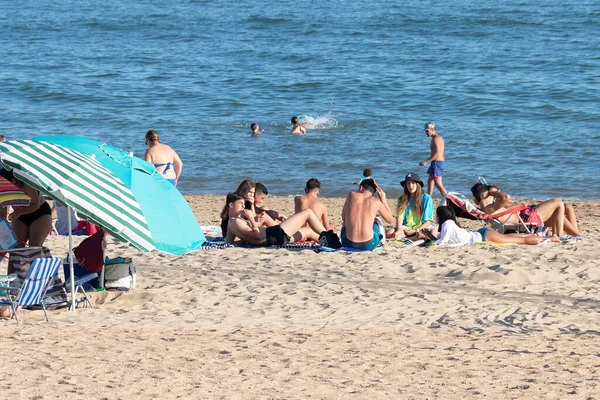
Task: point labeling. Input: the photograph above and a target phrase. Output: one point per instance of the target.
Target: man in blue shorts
(436, 169)
(360, 229)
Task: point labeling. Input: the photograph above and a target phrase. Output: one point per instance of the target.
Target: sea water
(513, 87)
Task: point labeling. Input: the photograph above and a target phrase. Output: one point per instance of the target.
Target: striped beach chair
(34, 287)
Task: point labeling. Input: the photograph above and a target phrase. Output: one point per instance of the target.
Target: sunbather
(246, 189)
(243, 228)
(414, 212)
(311, 201)
(551, 212)
(570, 227)
(260, 195)
(452, 233)
(359, 229)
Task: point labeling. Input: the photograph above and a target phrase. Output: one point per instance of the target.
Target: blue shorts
(436, 168)
(368, 245)
(482, 231)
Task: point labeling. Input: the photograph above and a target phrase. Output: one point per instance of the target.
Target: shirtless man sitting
(242, 227)
(260, 195)
(359, 229)
(550, 212)
(311, 201)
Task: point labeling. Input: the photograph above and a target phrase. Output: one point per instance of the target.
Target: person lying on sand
(311, 201)
(359, 229)
(552, 213)
(452, 233)
(242, 227)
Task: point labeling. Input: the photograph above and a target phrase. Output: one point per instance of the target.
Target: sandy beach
(491, 322)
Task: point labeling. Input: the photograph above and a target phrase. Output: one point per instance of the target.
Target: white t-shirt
(453, 234)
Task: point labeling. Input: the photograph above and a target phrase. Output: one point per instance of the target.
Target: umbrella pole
(71, 256)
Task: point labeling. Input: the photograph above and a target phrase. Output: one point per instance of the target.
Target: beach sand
(451, 323)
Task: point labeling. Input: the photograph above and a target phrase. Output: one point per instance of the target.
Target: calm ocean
(513, 86)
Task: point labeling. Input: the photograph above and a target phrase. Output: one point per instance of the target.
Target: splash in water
(327, 121)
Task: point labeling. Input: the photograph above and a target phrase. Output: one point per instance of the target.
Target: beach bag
(90, 252)
(330, 239)
(119, 274)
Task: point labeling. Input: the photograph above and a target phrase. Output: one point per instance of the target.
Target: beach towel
(379, 249)
(215, 245)
(406, 242)
(212, 231)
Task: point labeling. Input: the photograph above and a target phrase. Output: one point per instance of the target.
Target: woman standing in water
(165, 159)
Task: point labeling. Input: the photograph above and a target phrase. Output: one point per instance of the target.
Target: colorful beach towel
(10, 195)
(211, 230)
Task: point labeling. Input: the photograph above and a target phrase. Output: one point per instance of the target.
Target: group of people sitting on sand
(246, 220)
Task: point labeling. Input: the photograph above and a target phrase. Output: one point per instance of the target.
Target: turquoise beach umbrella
(174, 228)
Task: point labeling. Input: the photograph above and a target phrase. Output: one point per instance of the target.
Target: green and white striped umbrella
(79, 181)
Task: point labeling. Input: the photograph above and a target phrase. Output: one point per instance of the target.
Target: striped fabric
(10, 195)
(41, 272)
(77, 180)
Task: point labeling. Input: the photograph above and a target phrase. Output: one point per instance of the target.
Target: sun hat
(412, 177)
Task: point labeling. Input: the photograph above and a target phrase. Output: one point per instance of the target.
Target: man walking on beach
(436, 169)
(360, 230)
(310, 201)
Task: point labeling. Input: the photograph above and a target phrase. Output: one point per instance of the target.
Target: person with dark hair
(437, 160)
(553, 213)
(367, 174)
(164, 158)
(414, 212)
(260, 195)
(311, 201)
(452, 233)
(255, 129)
(360, 230)
(247, 189)
(31, 224)
(244, 229)
(297, 127)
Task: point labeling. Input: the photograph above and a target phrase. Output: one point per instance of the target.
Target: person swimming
(164, 158)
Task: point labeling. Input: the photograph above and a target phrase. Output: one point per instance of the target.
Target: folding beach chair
(464, 208)
(34, 287)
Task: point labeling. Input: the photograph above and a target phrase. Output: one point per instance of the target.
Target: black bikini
(30, 218)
